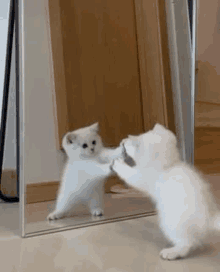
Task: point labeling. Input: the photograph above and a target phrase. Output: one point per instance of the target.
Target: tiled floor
(126, 246)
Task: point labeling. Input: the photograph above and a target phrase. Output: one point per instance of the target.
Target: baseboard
(8, 184)
(47, 191)
(43, 191)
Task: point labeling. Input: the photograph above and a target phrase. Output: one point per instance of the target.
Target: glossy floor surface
(126, 246)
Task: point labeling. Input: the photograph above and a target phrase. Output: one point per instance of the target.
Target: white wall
(4, 15)
(9, 160)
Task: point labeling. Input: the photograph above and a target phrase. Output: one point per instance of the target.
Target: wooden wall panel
(207, 149)
(208, 39)
(207, 114)
(207, 144)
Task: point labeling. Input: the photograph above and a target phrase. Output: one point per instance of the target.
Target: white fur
(84, 173)
(186, 209)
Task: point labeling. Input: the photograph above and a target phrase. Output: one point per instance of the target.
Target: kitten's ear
(95, 127)
(159, 127)
(134, 139)
(71, 138)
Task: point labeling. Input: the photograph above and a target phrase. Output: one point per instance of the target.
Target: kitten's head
(87, 139)
(158, 144)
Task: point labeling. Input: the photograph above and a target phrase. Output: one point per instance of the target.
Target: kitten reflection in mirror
(87, 167)
(87, 139)
(90, 145)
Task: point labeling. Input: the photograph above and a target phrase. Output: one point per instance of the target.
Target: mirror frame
(183, 76)
(20, 108)
(186, 139)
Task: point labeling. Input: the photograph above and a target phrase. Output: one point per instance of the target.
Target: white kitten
(85, 172)
(186, 209)
(90, 144)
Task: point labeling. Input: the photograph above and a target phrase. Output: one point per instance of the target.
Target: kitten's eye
(94, 142)
(85, 146)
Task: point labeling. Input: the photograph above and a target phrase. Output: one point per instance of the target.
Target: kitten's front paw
(53, 216)
(97, 212)
(171, 254)
(117, 164)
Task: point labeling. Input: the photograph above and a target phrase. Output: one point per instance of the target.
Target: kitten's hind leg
(63, 205)
(58, 213)
(96, 202)
(55, 215)
(176, 252)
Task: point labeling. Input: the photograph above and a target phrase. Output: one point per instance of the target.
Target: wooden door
(111, 65)
(101, 67)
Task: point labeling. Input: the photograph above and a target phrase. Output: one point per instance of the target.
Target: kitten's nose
(92, 149)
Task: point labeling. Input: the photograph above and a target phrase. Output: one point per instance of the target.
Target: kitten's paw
(97, 212)
(173, 253)
(53, 216)
(117, 164)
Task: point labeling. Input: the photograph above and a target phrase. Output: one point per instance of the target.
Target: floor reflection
(36, 213)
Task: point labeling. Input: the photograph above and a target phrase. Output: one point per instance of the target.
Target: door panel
(101, 67)
(111, 65)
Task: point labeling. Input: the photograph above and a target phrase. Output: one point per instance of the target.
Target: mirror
(87, 62)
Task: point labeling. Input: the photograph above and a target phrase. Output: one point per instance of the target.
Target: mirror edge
(20, 90)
